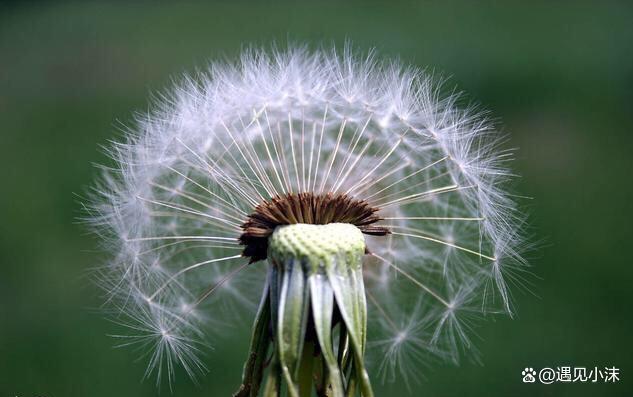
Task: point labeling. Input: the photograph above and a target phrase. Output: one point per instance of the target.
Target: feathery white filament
(295, 121)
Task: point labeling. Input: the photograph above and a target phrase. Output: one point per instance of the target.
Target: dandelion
(358, 213)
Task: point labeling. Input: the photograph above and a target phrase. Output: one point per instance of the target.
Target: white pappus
(275, 123)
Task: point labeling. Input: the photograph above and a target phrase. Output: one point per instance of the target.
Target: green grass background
(558, 75)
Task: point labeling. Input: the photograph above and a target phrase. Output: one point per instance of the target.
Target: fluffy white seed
(278, 122)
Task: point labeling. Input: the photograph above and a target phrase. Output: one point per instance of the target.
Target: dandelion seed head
(279, 124)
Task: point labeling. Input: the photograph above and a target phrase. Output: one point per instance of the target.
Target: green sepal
(346, 279)
(322, 298)
(291, 324)
(260, 342)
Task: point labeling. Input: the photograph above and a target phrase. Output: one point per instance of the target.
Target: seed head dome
(300, 136)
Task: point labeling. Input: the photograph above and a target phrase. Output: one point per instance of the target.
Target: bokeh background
(558, 76)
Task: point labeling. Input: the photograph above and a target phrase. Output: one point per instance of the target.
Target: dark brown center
(317, 209)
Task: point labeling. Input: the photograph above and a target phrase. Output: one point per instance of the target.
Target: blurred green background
(559, 77)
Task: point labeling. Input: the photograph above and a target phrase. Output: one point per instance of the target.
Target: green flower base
(310, 329)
